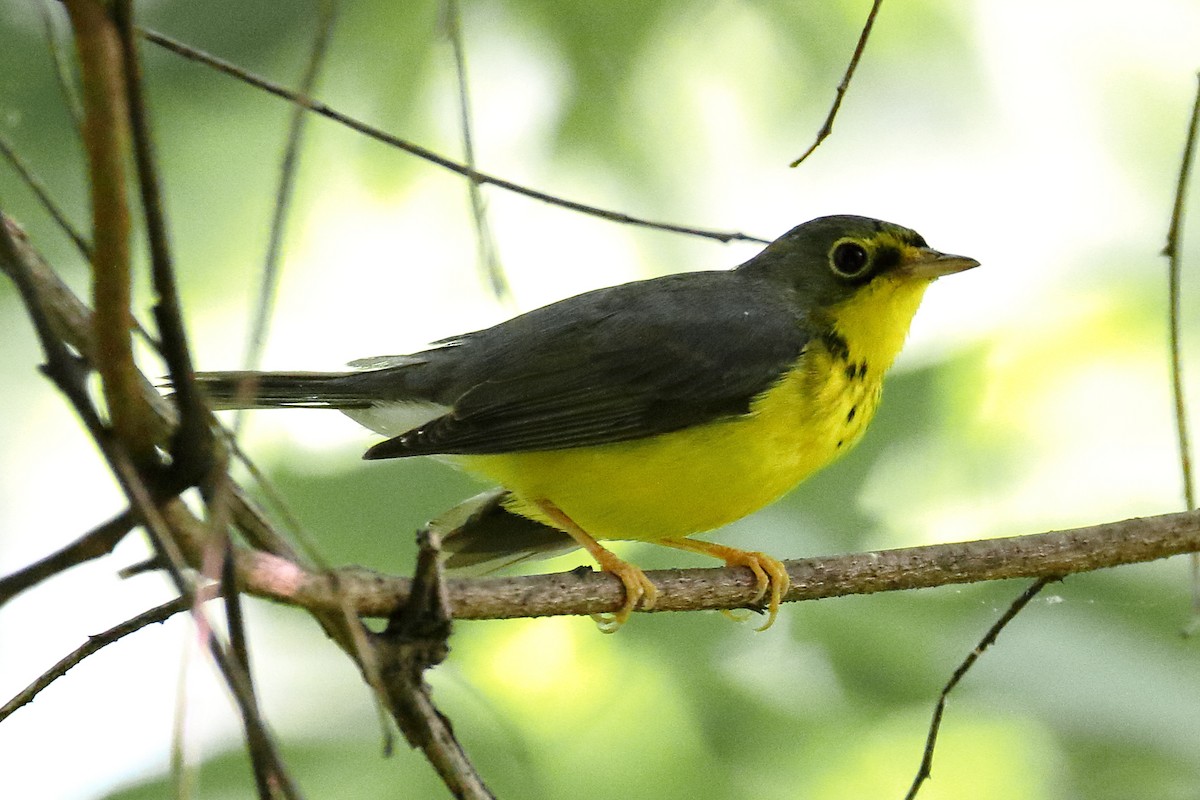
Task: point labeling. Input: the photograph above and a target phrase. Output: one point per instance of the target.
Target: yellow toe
(769, 573)
(638, 591)
(638, 588)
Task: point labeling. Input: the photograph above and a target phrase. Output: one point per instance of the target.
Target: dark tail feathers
(480, 535)
(284, 389)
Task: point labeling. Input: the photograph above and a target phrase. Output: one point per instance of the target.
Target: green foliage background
(1037, 399)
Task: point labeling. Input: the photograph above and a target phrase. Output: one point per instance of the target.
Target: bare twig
(108, 70)
(183, 778)
(241, 688)
(62, 70)
(43, 196)
(265, 300)
(97, 542)
(924, 772)
(323, 110)
(1171, 251)
(827, 127)
(97, 44)
(192, 444)
(581, 592)
(414, 641)
(489, 261)
(93, 645)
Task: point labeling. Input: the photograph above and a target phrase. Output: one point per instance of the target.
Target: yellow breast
(703, 477)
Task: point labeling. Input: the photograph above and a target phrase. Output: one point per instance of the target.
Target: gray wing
(612, 365)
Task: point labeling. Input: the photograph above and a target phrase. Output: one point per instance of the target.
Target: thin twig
(827, 127)
(182, 776)
(62, 69)
(239, 650)
(97, 542)
(60, 319)
(39, 190)
(255, 343)
(93, 645)
(317, 107)
(192, 445)
(925, 770)
(489, 261)
(99, 49)
(264, 302)
(163, 537)
(1171, 251)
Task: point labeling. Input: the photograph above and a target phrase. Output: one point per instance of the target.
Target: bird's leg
(637, 586)
(769, 573)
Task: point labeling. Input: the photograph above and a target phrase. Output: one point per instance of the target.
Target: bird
(652, 410)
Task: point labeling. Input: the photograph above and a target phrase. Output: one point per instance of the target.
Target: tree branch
(1056, 553)
(93, 645)
(106, 136)
(925, 770)
(282, 575)
(827, 127)
(97, 542)
(317, 107)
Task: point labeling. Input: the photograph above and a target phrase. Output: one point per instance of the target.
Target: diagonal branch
(317, 107)
(925, 771)
(827, 127)
(95, 644)
(97, 542)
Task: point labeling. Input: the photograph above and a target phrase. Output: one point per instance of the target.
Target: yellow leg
(769, 573)
(637, 586)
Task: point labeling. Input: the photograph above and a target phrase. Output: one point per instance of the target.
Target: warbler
(649, 411)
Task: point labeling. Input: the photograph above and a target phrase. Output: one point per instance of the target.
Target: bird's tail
(481, 535)
(247, 389)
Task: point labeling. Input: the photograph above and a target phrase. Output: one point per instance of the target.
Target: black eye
(850, 260)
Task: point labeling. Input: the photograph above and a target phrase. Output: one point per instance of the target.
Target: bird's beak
(922, 262)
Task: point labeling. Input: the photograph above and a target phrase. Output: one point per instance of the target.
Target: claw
(769, 573)
(638, 588)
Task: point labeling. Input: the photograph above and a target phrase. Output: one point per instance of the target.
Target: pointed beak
(922, 262)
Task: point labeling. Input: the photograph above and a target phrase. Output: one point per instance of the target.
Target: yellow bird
(649, 411)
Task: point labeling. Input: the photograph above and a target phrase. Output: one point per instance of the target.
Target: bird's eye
(849, 260)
